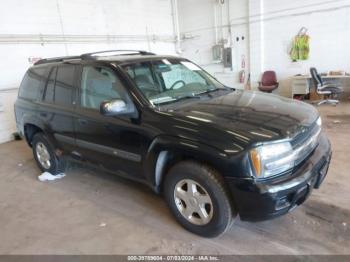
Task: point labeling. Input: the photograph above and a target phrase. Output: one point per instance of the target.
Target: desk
(301, 84)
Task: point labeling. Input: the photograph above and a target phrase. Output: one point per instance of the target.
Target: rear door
(58, 105)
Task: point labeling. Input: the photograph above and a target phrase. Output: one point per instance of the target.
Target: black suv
(213, 152)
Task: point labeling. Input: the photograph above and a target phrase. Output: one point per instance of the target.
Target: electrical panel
(227, 57)
(217, 52)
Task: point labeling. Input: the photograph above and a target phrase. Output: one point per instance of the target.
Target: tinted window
(142, 74)
(97, 85)
(32, 83)
(64, 85)
(50, 86)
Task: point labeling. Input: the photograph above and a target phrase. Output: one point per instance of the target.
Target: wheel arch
(29, 131)
(165, 151)
(33, 125)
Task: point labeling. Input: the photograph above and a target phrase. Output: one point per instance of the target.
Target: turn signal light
(255, 157)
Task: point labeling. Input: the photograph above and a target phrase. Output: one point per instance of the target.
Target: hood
(243, 118)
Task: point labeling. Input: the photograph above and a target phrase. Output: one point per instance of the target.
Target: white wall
(204, 23)
(42, 28)
(269, 27)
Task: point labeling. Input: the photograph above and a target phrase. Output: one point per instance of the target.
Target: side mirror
(117, 107)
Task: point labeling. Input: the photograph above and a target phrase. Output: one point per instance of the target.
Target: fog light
(282, 203)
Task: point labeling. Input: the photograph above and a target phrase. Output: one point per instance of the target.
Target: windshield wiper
(176, 99)
(209, 91)
(188, 96)
(196, 95)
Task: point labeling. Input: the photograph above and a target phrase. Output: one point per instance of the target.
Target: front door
(116, 143)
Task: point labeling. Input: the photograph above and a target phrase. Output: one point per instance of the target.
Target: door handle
(43, 114)
(82, 121)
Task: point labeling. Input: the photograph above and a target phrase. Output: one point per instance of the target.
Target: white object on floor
(46, 176)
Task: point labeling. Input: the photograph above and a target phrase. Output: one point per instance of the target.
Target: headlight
(319, 121)
(275, 158)
(272, 159)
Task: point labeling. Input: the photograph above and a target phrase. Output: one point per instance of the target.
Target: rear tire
(45, 157)
(198, 198)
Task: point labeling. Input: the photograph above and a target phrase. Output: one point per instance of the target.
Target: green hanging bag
(300, 46)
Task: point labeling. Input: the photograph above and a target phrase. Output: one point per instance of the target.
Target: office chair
(327, 89)
(268, 82)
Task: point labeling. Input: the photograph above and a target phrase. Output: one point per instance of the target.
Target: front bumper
(263, 200)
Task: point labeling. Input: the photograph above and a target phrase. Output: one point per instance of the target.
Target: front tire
(198, 198)
(44, 154)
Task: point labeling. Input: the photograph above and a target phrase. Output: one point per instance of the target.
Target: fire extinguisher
(243, 62)
(242, 76)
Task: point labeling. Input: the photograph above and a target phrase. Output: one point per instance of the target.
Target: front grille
(303, 136)
(304, 145)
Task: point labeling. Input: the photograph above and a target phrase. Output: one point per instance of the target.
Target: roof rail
(88, 56)
(55, 59)
(123, 52)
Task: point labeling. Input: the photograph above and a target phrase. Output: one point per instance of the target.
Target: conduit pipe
(176, 26)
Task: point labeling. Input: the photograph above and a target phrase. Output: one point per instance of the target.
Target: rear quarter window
(64, 85)
(33, 83)
(60, 85)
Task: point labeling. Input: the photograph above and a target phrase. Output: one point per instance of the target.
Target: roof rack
(56, 59)
(123, 52)
(92, 56)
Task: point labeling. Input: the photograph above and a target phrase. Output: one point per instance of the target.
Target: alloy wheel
(43, 155)
(193, 202)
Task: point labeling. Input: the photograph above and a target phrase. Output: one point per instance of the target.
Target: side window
(97, 85)
(142, 75)
(33, 83)
(50, 86)
(64, 85)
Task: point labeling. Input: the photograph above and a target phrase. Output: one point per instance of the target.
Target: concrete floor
(90, 212)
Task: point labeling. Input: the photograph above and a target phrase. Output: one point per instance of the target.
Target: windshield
(170, 80)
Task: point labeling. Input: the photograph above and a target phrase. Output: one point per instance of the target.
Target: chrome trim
(304, 151)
